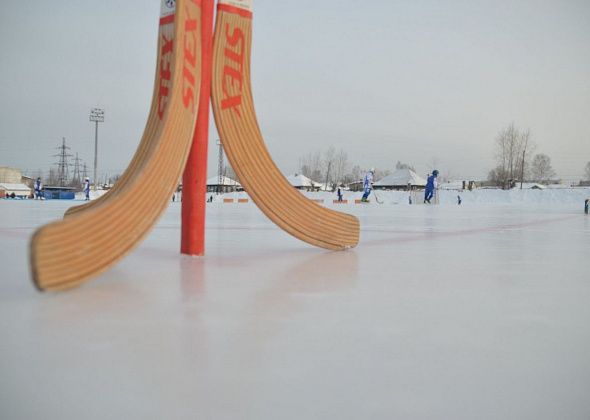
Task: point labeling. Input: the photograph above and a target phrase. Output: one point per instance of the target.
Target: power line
(63, 173)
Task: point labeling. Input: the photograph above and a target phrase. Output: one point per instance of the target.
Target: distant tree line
(516, 161)
(333, 168)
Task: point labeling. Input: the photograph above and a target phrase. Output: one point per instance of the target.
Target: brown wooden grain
(249, 157)
(148, 141)
(66, 253)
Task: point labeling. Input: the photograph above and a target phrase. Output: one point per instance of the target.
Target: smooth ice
(442, 312)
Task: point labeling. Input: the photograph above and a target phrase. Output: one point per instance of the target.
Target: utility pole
(96, 116)
(84, 171)
(219, 167)
(522, 169)
(327, 176)
(76, 182)
(522, 163)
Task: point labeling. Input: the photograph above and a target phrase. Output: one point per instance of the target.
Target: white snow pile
(517, 196)
(563, 196)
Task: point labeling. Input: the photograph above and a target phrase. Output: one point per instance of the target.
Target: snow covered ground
(479, 311)
(530, 198)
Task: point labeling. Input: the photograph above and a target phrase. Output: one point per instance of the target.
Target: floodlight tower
(96, 116)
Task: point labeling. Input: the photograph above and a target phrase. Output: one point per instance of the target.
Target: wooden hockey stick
(67, 253)
(233, 109)
(155, 116)
(377, 198)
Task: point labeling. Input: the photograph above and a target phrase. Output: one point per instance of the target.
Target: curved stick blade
(233, 108)
(149, 138)
(67, 253)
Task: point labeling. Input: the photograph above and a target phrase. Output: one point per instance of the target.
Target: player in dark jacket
(430, 187)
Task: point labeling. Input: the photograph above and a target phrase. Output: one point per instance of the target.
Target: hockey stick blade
(67, 253)
(149, 138)
(234, 113)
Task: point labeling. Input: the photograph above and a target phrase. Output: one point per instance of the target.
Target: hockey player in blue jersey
(430, 187)
(87, 188)
(38, 189)
(368, 185)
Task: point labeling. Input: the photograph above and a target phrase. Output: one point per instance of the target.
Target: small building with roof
(301, 182)
(529, 186)
(402, 179)
(16, 190)
(226, 185)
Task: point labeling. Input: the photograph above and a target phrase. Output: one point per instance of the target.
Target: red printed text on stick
(233, 70)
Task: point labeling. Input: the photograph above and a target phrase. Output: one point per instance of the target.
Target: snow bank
(548, 197)
(562, 196)
(518, 196)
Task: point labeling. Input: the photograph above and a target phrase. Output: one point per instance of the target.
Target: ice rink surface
(442, 312)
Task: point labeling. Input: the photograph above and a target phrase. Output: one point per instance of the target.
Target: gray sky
(385, 80)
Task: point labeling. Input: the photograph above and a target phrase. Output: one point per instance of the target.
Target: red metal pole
(194, 180)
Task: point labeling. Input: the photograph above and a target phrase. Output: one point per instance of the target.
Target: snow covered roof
(323, 186)
(401, 178)
(301, 181)
(530, 186)
(214, 180)
(14, 187)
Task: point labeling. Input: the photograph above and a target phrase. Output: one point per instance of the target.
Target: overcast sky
(384, 80)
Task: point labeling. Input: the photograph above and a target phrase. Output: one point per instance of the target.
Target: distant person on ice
(368, 185)
(339, 192)
(38, 188)
(87, 188)
(430, 187)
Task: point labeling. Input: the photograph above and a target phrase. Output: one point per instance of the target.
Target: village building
(12, 183)
(301, 182)
(402, 179)
(15, 190)
(226, 185)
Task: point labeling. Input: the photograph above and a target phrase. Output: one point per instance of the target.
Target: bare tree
(447, 175)
(541, 170)
(330, 166)
(498, 176)
(305, 165)
(310, 166)
(587, 171)
(513, 148)
(340, 166)
(433, 164)
(38, 174)
(355, 175)
(52, 178)
(328, 162)
(381, 173)
(527, 149)
(113, 179)
(401, 165)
